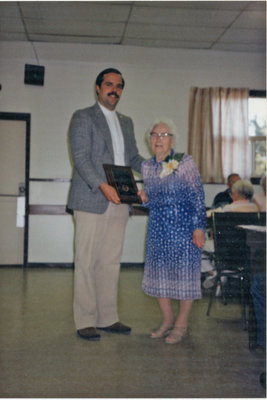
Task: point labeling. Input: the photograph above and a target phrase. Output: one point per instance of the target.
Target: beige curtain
(218, 132)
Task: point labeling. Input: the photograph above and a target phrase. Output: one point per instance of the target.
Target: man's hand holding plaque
(122, 180)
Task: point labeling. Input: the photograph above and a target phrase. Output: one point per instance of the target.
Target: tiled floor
(41, 355)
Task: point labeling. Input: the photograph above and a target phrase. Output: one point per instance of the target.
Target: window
(257, 132)
(220, 122)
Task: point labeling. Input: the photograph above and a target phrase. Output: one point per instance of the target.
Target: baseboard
(132, 265)
(50, 265)
(71, 265)
(65, 265)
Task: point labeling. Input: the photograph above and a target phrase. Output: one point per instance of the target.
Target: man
(99, 135)
(223, 198)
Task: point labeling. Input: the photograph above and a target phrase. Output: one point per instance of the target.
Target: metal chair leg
(223, 293)
(243, 304)
(213, 293)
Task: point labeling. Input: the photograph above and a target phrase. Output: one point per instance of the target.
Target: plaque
(122, 179)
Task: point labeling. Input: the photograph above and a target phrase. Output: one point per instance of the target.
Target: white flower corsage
(170, 164)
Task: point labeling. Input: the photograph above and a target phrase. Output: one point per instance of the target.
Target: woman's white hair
(244, 188)
(166, 121)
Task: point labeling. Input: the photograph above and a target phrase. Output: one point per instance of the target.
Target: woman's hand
(199, 238)
(143, 196)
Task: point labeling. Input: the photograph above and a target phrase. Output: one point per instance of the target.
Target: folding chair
(232, 254)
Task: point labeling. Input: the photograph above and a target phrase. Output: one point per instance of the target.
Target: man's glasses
(162, 135)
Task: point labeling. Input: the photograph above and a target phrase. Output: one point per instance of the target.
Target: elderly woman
(242, 194)
(175, 198)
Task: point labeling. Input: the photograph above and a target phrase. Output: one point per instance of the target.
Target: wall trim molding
(48, 209)
(67, 265)
(62, 209)
(50, 180)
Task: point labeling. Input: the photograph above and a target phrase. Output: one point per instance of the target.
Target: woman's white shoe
(177, 334)
(161, 332)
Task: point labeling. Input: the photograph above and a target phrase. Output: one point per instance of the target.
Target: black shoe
(118, 327)
(89, 334)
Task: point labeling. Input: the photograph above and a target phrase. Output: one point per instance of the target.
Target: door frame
(15, 116)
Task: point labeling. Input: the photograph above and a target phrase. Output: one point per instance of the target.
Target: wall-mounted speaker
(34, 75)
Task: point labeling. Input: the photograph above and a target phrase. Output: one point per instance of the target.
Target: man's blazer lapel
(122, 124)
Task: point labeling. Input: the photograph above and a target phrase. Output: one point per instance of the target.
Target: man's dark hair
(229, 177)
(100, 76)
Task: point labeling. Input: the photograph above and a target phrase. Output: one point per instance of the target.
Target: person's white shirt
(116, 135)
(240, 206)
(236, 206)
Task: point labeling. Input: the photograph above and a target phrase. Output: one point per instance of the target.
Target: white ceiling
(214, 25)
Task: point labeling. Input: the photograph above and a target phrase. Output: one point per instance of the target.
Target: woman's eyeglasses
(161, 135)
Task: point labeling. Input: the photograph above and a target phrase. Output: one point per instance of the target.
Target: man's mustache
(114, 94)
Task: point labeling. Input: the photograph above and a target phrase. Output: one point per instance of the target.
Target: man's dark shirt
(222, 198)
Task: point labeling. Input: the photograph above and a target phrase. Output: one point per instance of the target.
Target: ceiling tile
(256, 5)
(172, 32)
(12, 36)
(74, 39)
(11, 25)
(84, 11)
(196, 5)
(245, 47)
(9, 9)
(165, 43)
(79, 28)
(250, 20)
(183, 17)
(243, 36)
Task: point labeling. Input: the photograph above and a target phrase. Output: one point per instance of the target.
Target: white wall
(158, 82)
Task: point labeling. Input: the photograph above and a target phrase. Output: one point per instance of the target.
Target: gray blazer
(91, 147)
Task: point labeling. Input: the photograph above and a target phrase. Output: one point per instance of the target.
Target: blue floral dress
(176, 208)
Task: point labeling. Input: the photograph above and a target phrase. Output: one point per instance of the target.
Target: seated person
(242, 194)
(260, 198)
(223, 198)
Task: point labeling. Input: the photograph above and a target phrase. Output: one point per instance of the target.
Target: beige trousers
(98, 249)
